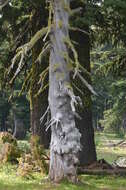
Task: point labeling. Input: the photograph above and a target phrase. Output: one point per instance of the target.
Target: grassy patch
(105, 182)
(104, 151)
(24, 146)
(9, 180)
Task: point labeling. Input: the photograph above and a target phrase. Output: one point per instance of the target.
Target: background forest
(107, 35)
(89, 37)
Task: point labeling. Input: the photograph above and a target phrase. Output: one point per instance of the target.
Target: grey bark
(65, 138)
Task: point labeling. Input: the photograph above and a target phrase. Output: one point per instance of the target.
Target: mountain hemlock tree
(65, 138)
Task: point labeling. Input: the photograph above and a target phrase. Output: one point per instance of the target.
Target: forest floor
(108, 146)
(9, 180)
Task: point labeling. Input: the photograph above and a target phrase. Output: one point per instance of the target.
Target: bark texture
(65, 138)
(85, 125)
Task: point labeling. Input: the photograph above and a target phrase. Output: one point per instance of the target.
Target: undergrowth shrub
(34, 161)
(9, 151)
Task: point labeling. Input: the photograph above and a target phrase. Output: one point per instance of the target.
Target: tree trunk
(19, 128)
(65, 138)
(38, 108)
(85, 125)
(38, 104)
(3, 122)
(124, 123)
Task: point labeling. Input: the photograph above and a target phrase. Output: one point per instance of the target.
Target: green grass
(108, 153)
(105, 182)
(9, 180)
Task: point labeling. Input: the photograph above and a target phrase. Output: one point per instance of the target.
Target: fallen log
(120, 172)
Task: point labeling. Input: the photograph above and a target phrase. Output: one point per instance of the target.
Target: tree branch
(3, 3)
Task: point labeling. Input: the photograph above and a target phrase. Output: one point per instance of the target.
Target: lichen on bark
(65, 139)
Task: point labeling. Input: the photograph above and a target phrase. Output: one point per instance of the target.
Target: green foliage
(111, 122)
(109, 79)
(24, 146)
(33, 159)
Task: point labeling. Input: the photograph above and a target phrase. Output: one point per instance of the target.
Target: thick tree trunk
(65, 138)
(85, 125)
(38, 104)
(88, 152)
(38, 108)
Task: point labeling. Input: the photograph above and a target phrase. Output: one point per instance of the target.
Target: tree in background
(38, 101)
(24, 26)
(9, 29)
(110, 63)
(82, 21)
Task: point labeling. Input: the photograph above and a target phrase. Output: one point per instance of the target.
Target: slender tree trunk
(65, 138)
(124, 123)
(3, 124)
(85, 125)
(19, 128)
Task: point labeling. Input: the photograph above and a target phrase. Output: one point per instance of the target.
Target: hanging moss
(60, 24)
(59, 76)
(49, 20)
(75, 54)
(55, 67)
(66, 7)
(68, 86)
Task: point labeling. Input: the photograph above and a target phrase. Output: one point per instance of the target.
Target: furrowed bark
(87, 154)
(65, 138)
